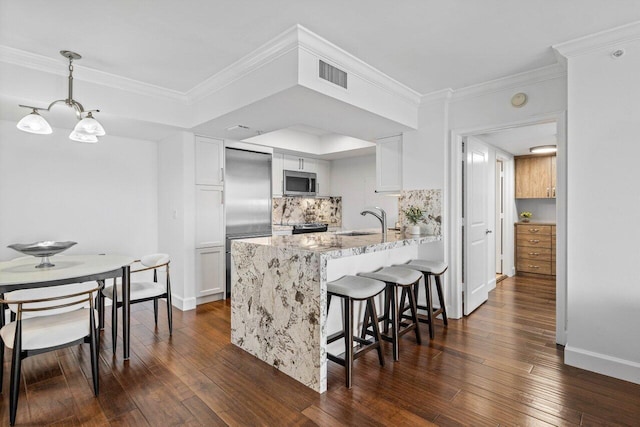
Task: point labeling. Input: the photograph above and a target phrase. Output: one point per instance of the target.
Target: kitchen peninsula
(279, 293)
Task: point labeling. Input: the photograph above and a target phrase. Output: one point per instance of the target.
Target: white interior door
(476, 251)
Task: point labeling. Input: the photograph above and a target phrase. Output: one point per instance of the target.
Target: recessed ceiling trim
(602, 40)
(514, 81)
(48, 65)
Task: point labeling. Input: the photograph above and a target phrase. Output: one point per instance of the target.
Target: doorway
(503, 187)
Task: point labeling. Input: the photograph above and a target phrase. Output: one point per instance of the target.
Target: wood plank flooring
(499, 366)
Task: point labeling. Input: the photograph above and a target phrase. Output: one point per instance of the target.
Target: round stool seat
(400, 275)
(427, 266)
(355, 287)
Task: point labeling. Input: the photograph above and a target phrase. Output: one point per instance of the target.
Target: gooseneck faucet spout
(382, 217)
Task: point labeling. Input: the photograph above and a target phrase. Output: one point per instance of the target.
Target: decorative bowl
(43, 250)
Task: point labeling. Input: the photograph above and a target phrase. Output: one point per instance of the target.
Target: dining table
(21, 273)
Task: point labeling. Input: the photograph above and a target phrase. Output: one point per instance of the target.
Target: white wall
(355, 180)
(103, 196)
(603, 176)
(176, 213)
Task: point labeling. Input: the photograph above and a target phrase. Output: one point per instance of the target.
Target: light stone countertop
(329, 242)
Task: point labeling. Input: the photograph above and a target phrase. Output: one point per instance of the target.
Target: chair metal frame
(19, 354)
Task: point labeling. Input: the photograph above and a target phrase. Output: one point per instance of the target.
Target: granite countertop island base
(279, 295)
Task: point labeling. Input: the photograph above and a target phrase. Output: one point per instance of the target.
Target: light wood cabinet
(389, 164)
(535, 248)
(535, 177)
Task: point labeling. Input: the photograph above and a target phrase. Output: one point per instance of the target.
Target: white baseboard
(491, 285)
(602, 364)
(210, 298)
(183, 304)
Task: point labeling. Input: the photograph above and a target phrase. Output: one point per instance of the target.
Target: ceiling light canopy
(540, 149)
(88, 129)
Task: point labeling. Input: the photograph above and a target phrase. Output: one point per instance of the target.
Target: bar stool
(430, 269)
(395, 278)
(354, 288)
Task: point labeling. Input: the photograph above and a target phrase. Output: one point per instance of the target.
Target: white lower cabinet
(210, 274)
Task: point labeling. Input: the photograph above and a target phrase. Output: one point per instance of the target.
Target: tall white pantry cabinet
(210, 256)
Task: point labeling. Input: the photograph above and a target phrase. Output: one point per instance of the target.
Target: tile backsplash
(430, 201)
(300, 210)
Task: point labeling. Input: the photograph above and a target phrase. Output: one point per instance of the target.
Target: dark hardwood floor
(499, 366)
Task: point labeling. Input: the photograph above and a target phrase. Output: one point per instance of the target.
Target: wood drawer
(534, 266)
(533, 229)
(534, 240)
(533, 253)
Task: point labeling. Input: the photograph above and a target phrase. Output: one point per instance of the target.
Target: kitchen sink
(355, 233)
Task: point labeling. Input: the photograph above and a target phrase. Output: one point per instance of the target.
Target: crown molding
(268, 52)
(439, 95)
(538, 75)
(337, 56)
(45, 64)
(597, 41)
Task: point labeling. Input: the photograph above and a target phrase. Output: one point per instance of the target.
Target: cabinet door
(309, 165)
(209, 161)
(389, 164)
(210, 271)
(533, 177)
(553, 177)
(292, 163)
(209, 216)
(277, 165)
(323, 183)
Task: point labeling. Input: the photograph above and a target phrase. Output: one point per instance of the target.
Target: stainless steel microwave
(299, 183)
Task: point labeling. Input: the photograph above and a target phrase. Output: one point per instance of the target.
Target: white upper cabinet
(323, 182)
(277, 166)
(209, 161)
(297, 163)
(389, 164)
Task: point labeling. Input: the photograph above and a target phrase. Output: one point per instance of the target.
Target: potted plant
(414, 215)
(526, 216)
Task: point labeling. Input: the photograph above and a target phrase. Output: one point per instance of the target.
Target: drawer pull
(533, 266)
(534, 230)
(534, 253)
(534, 241)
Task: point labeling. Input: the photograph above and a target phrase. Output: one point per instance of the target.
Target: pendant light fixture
(88, 129)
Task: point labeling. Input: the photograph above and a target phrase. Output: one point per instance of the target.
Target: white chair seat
(139, 290)
(399, 275)
(427, 266)
(49, 331)
(356, 287)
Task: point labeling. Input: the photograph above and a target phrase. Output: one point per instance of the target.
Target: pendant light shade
(34, 123)
(80, 137)
(89, 126)
(86, 130)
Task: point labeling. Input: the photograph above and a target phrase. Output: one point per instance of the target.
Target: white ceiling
(519, 140)
(427, 45)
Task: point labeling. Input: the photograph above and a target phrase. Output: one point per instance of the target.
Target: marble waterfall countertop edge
(339, 245)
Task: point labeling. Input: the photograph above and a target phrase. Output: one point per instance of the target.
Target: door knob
(488, 231)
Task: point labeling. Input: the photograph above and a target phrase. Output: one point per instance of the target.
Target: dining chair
(48, 319)
(141, 291)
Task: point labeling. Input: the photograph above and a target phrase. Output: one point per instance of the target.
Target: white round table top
(22, 270)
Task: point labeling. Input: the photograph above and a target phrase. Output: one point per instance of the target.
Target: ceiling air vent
(333, 74)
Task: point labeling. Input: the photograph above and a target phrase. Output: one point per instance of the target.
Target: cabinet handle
(302, 164)
(548, 192)
(534, 241)
(534, 230)
(534, 253)
(222, 197)
(221, 174)
(554, 191)
(533, 266)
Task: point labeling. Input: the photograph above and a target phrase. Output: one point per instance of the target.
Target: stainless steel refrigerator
(247, 191)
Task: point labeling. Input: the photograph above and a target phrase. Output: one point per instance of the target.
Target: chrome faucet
(382, 217)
